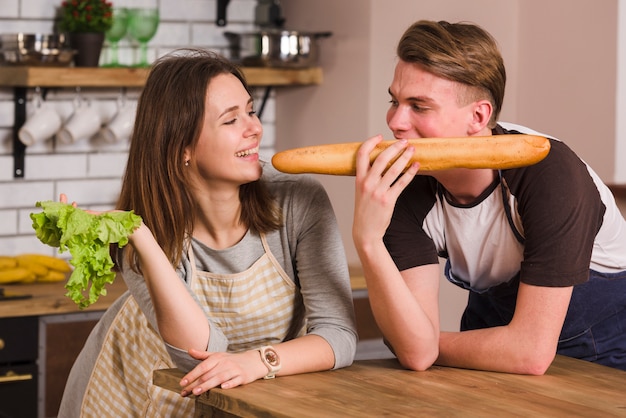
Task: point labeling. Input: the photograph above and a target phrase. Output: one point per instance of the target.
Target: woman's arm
(322, 271)
(311, 243)
(180, 320)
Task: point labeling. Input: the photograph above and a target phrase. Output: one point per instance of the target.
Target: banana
(28, 268)
(47, 261)
(52, 276)
(16, 274)
(7, 262)
(30, 263)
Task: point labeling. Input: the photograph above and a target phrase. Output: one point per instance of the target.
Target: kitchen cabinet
(40, 338)
(23, 77)
(18, 367)
(61, 337)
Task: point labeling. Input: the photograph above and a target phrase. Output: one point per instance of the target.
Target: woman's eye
(230, 122)
(393, 103)
(252, 113)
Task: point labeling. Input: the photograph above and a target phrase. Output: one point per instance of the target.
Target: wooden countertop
(570, 388)
(50, 299)
(26, 76)
(357, 280)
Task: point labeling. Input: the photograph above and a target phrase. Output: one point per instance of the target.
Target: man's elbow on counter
(535, 363)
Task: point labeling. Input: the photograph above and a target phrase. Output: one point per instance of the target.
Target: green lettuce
(87, 237)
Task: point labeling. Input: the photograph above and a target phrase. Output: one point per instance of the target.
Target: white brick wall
(89, 171)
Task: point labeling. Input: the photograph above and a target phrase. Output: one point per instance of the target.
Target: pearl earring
(187, 163)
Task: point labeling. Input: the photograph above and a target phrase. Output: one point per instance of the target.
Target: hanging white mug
(83, 123)
(120, 127)
(42, 123)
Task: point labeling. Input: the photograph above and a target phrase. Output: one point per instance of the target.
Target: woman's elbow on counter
(418, 361)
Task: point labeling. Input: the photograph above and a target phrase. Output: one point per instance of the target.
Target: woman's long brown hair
(169, 119)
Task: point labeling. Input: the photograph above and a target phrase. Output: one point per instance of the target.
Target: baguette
(494, 152)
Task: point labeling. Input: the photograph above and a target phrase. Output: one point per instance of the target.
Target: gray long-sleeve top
(309, 249)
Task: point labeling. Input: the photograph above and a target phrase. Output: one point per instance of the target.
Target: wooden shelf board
(24, 76)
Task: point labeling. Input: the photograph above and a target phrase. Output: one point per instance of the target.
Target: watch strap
(270, 358)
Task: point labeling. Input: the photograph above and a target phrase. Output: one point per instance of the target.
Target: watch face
(272, 358)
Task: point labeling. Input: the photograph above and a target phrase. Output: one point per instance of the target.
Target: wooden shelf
(24, 76)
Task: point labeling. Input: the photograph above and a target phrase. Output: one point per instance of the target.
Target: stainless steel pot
(275, 48)
(34, 49)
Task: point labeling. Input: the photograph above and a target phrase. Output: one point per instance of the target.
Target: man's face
(426, 106)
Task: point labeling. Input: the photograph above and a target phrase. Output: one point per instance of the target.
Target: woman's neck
(217, 222)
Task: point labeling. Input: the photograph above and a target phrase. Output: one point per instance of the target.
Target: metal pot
(34, 49)
(275, 48)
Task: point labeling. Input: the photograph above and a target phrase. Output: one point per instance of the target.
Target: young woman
(237, 272)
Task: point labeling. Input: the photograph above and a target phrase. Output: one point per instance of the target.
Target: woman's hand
(377, 188)
(63, 199)
(225, 370)
(142, 230)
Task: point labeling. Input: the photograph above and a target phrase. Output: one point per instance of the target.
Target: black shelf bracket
(19, 149)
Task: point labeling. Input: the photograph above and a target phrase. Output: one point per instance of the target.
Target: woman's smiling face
(228, 146)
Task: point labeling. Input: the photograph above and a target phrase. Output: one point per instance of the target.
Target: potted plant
(85, 22)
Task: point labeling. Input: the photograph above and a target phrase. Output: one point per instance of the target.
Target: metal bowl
(35, 49)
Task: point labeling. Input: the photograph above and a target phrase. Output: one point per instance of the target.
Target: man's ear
(481, 114)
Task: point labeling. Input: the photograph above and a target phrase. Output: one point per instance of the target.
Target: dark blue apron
(595, 325)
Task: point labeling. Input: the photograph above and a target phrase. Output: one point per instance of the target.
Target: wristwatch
(270, 358)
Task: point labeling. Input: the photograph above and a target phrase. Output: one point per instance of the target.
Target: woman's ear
(481, 115)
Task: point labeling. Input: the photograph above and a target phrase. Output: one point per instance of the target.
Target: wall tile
(26, 26)
(24, 194)
(107, 165)
(8, 222)
(203, 34)
(6, 169)
(7, 113)
(172, 34)
(268, 137)
(8, 8)
(189, 10)
(90, 192)
(24, 221)
(240, 11)
(24, 244)
(55, 166)
(37, 9)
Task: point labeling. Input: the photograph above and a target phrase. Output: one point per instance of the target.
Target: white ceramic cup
(83, 123)
(120, 127)
(42, 124)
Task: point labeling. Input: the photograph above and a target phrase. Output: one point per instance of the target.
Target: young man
(541, 249)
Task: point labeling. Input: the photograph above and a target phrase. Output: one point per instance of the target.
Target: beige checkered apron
(258, 306)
